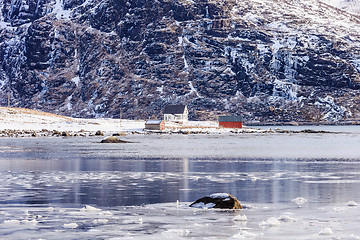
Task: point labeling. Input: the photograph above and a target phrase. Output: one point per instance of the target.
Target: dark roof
(230, 119)
(174, 109)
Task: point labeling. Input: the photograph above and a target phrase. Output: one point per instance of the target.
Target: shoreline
(122, 133)
(321, 123)
(20, 122)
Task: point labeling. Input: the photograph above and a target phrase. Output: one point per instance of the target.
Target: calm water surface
(256, 168)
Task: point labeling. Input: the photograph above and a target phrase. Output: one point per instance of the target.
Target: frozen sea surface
(172, 221)
(294, 186)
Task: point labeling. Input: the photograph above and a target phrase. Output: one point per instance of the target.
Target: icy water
(294, 186)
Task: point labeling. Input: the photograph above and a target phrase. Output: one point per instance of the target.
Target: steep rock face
(20, 12)
(267, 60)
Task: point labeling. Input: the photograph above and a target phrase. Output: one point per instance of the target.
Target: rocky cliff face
(267, 60)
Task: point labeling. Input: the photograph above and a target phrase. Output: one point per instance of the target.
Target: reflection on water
(160, 169)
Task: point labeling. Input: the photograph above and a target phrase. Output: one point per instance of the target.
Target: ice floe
(286, 218)
(352, 204)
(271, 222)
(299, 201)
(70, 225)
(326, 231)
(89, 208)
(241, 218)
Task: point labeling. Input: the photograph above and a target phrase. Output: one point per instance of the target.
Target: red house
(230, 121)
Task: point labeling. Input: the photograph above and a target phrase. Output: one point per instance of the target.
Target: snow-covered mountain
(284, 60)
(352, 6)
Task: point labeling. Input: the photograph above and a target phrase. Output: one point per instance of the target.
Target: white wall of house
(176, 117)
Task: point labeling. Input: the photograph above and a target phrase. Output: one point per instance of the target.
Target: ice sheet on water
(166, 220)
(268, 185)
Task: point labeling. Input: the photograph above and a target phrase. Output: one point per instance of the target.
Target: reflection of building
(176, 113)
(230, 121)
(155, 125)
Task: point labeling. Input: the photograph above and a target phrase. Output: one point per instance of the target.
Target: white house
(176, 113)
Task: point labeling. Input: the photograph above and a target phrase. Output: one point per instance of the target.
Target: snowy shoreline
(20, 122)
(321, 123)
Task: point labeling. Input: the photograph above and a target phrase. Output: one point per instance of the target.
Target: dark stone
(155, 48)
(217, 200)
(55, 132)
(65, 134)
(113, 139)
(99, 133)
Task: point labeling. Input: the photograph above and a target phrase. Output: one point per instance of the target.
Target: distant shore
(122, 133)
(20, 122)
(321, 123)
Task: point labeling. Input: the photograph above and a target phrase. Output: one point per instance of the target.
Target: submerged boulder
(218, 200)
(113, 139)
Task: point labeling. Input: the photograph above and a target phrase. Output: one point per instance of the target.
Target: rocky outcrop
(113, 139)
(217, 200)
(283, 61)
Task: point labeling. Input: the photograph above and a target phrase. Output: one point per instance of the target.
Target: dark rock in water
(65, 134)
(113, 139)
(55, 132)
(99, 133)
(217, 200)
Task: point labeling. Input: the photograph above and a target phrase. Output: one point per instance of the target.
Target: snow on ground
(352, 6)
(26, 119)
(21, 119)
(59, 11)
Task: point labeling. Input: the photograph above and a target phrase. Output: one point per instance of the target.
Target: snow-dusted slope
(352, 6)
(27, 119)
(267, 60)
